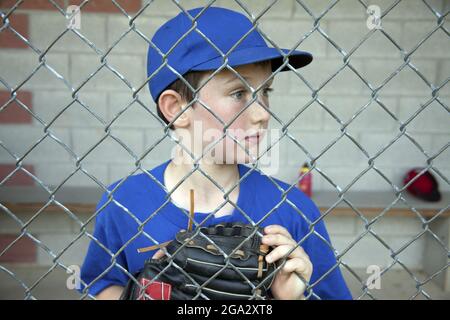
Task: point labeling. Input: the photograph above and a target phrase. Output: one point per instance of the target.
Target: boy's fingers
(276, 228)
(281, 251)
(277, 240)
(299, 266)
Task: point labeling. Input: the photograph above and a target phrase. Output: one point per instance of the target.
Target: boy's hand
(287, 285)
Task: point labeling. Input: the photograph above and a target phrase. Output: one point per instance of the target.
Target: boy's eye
(239, 95)
(267, 91)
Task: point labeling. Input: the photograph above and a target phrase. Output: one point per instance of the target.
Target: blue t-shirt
(139, 214)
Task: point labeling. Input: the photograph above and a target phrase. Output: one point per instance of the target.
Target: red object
(13, 113)
(23, 250)
(155, 290)
(19, 178)
(424, 187)
(8, 38)
(305, 183)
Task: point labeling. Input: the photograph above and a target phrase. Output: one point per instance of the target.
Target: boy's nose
(258, 113)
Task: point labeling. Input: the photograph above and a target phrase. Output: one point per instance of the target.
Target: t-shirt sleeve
(100, 268)
(332, 285)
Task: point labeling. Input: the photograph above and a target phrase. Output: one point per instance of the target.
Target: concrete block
(48, 105)
(369, 251)
(135, 115)
(378, 45)
(55, 174)
(393, 226)
(169, 9)
(74, 255)
(446, 6)
(402, 152)
(44, 222)
(109, 150)
(130, 67)
(434, 118)
(435, 255)
(346, 81)
(412, 255)
(343, 151)
(286, 107)
(373, 118)
(350, 10)
(132, 42)
(287, 33)
(282, 82)
(46, 27)
(405, 10)
(316, 7)
(414, 9)
(280, 9)
(343, 176)
(439, 142)
(18, 65)
(339, 225)
(20, 139)
(435, 46)
(406, 82)
(442, 75)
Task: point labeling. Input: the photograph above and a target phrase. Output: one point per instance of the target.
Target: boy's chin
(245, 159)
(236, 157)
(248, 159)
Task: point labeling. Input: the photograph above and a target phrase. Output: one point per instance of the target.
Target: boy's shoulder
(137, 182)
(269, 190)
(132, 190)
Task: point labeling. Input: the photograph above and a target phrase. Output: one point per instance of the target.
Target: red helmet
(424, 187)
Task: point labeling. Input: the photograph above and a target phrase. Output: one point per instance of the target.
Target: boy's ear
(171, 103)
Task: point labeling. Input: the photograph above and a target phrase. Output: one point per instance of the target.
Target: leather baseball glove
(223, 261)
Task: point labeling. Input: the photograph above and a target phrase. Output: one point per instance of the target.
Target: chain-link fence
(372, 17)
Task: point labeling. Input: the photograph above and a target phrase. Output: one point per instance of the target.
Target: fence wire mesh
(314, 91)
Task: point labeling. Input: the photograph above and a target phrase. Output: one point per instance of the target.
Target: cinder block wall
(105, 96)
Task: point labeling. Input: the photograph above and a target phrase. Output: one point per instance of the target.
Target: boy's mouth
(254, 138)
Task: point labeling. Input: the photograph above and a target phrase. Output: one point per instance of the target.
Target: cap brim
(297, 59)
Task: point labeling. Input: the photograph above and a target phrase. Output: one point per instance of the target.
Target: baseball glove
(198, 269)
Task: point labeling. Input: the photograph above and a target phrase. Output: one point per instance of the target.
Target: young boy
(151, 207)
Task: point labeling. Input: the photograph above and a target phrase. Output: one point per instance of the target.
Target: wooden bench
(370, 204)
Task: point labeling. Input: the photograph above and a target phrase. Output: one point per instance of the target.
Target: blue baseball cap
(224, 28)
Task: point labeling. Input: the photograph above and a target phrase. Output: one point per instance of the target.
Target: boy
(150, 208)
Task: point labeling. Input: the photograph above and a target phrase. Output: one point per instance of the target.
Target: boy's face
(226, 95)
